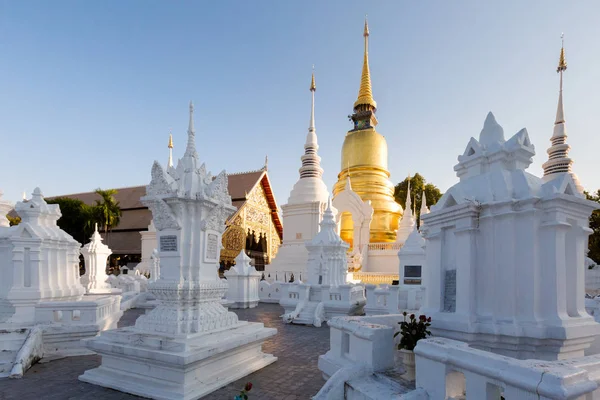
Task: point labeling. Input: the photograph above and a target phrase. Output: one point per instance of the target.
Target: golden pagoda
(365, 160)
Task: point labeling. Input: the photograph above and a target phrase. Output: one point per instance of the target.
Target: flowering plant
(244, 392)
(412, 331)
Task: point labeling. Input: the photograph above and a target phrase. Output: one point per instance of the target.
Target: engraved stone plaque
(212, 246)
(168, 243)
(450, 291)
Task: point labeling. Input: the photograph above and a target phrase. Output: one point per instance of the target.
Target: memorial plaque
(412, 271)
(450, 291)
(212, 246)
(168, 243)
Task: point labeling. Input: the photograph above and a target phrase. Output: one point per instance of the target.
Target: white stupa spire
(311, 162)
(558, 153)
(407, 223)
(310, 187)
(190, 150)
(170, 161)
(408, 207)
(424, 209)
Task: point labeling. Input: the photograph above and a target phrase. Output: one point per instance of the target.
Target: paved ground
(294, 376)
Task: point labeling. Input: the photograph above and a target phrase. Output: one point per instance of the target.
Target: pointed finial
(170, 140)
(313, 87)
(24, 196)
(266, 167)
(96, 227)
(190, 150)
(365, 93)
(562, 62)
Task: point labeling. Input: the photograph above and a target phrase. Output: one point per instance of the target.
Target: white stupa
(504, 255)
(189, 345)
(325, 293)
(407, 223)
(304, 209)
(559, 162)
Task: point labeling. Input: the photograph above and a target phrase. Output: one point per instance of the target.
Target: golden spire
(170, 140)
(365, 94)
(313, 87)
(562, 62)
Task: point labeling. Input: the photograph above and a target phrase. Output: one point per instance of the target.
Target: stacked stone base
(182, 368)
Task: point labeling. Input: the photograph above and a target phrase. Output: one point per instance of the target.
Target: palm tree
(108, 208)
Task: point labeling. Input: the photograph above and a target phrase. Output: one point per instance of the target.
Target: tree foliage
(594, 241)
(108, 209)
(418, 184)
(77, 217)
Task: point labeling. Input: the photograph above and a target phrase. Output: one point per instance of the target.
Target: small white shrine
(325, 293)
(42, 308)
(304, 209)
(39, 261)
(505, 254)
(148, 246)
(95, 254)
(242, 280)
(189, 345)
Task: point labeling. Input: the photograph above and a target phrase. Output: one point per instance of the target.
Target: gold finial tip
(313, 87)
(562, 61)
(170, 141)
(366, 31)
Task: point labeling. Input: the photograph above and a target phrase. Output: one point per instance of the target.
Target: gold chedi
(365, 160)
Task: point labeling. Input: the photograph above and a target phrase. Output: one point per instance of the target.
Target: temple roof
(136, 217)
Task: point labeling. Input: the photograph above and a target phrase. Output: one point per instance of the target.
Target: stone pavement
(293, 376)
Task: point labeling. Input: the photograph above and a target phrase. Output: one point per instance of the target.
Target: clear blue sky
(89, 89)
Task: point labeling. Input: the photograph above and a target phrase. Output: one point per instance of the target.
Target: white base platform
(160, 367)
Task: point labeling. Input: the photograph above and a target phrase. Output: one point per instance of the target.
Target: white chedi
(496, 241)
(189, 336)
(242, 280)
(304, 209)
(327, 263)
(38, 261)
(95, 254)
(407, 223)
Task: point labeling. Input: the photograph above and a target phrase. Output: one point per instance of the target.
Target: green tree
(594, 241)
(109, 210)
(77, 218)
(418, 184)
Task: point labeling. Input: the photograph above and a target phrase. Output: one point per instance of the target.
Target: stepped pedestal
(151, 366)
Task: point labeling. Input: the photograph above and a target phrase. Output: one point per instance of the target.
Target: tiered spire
(170, 162)
(190, 150)
(558, 160)
(408, 207)
(365, 106)
(365, 93)
(311, 162)
(424, 209)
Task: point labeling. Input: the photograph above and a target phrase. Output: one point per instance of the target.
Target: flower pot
(408, 360)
